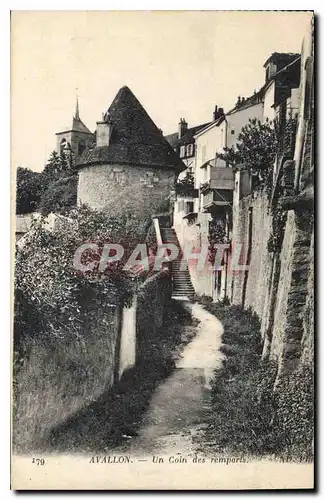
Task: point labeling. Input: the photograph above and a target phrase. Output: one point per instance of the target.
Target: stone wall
(278, 288)
(151, 299)
(294, 327)
(121, 188)
(250, 289)
(59, 376)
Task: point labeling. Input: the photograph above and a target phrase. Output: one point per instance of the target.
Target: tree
(28, 190)
(255, 151)
(59, 184)
(185, 186)
(60, 196)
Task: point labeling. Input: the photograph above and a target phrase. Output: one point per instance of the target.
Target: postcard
(163, 291)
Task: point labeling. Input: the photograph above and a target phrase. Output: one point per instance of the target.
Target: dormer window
(190, 150)
(271, 69)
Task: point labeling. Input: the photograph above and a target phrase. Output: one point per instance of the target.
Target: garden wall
(55, 377)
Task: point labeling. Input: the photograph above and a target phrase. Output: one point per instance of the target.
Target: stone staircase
(182, 288)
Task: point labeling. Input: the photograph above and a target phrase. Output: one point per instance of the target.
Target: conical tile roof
(135, 138)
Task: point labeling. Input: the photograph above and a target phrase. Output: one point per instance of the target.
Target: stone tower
(131, 167)
(75, 139)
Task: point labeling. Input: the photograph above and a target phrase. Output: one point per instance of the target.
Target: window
(81, 147)
(182, 151)
(232, 132)
(190, 150)
(189, 207)
(180, 206)
(62, 146)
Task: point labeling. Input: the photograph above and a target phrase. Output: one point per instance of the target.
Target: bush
(294, 421)
(51, 296)
(246, 414)
(28, 190)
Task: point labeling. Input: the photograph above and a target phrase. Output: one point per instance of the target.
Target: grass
(246, 416)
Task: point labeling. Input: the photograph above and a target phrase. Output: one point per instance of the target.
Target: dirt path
(178, 404)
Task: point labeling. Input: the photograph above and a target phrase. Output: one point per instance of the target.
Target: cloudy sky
(178, 64)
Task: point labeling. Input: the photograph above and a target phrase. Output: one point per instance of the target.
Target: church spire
(77, 115)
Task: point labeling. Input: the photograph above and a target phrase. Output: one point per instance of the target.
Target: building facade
(212, 213)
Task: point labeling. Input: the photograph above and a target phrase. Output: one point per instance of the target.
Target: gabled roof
(282, 57)
(135, 138)
(79, 126)
(187, 138)
(210, 125)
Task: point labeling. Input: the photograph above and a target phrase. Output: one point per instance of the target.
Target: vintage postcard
(163, 296)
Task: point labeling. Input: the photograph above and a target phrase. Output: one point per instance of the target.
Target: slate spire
(77, 115)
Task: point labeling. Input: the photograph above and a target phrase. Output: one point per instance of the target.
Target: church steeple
(77, 138)
(77, 115)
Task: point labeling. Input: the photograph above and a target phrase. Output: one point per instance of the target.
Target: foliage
(185, 186)
(59, 184)
(164, 206)
(216, 234)
(28, 190)
(294, 420)
(56, 166)
(279, 218)
(246, 414)
(255, 151)
(204, 186)
(290, 135)
(51, 296)
(60, 196)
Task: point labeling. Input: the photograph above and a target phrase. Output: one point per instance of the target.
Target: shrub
(246, 414)
(255, 151)
(51, 296)
(294, 419)
(28, 190)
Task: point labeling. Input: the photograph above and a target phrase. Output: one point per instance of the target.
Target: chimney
(238, 101)
(218, 112)
(182, 128)
(104, 129)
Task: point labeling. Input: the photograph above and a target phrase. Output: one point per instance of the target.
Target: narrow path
(178, 404)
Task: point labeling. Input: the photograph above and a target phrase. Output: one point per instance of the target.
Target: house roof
(210, 125)
(281, 57)
(187, 138)
(286, 62)
(252, 100)
(135, 138)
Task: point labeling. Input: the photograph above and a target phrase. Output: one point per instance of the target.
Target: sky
(177, 63)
